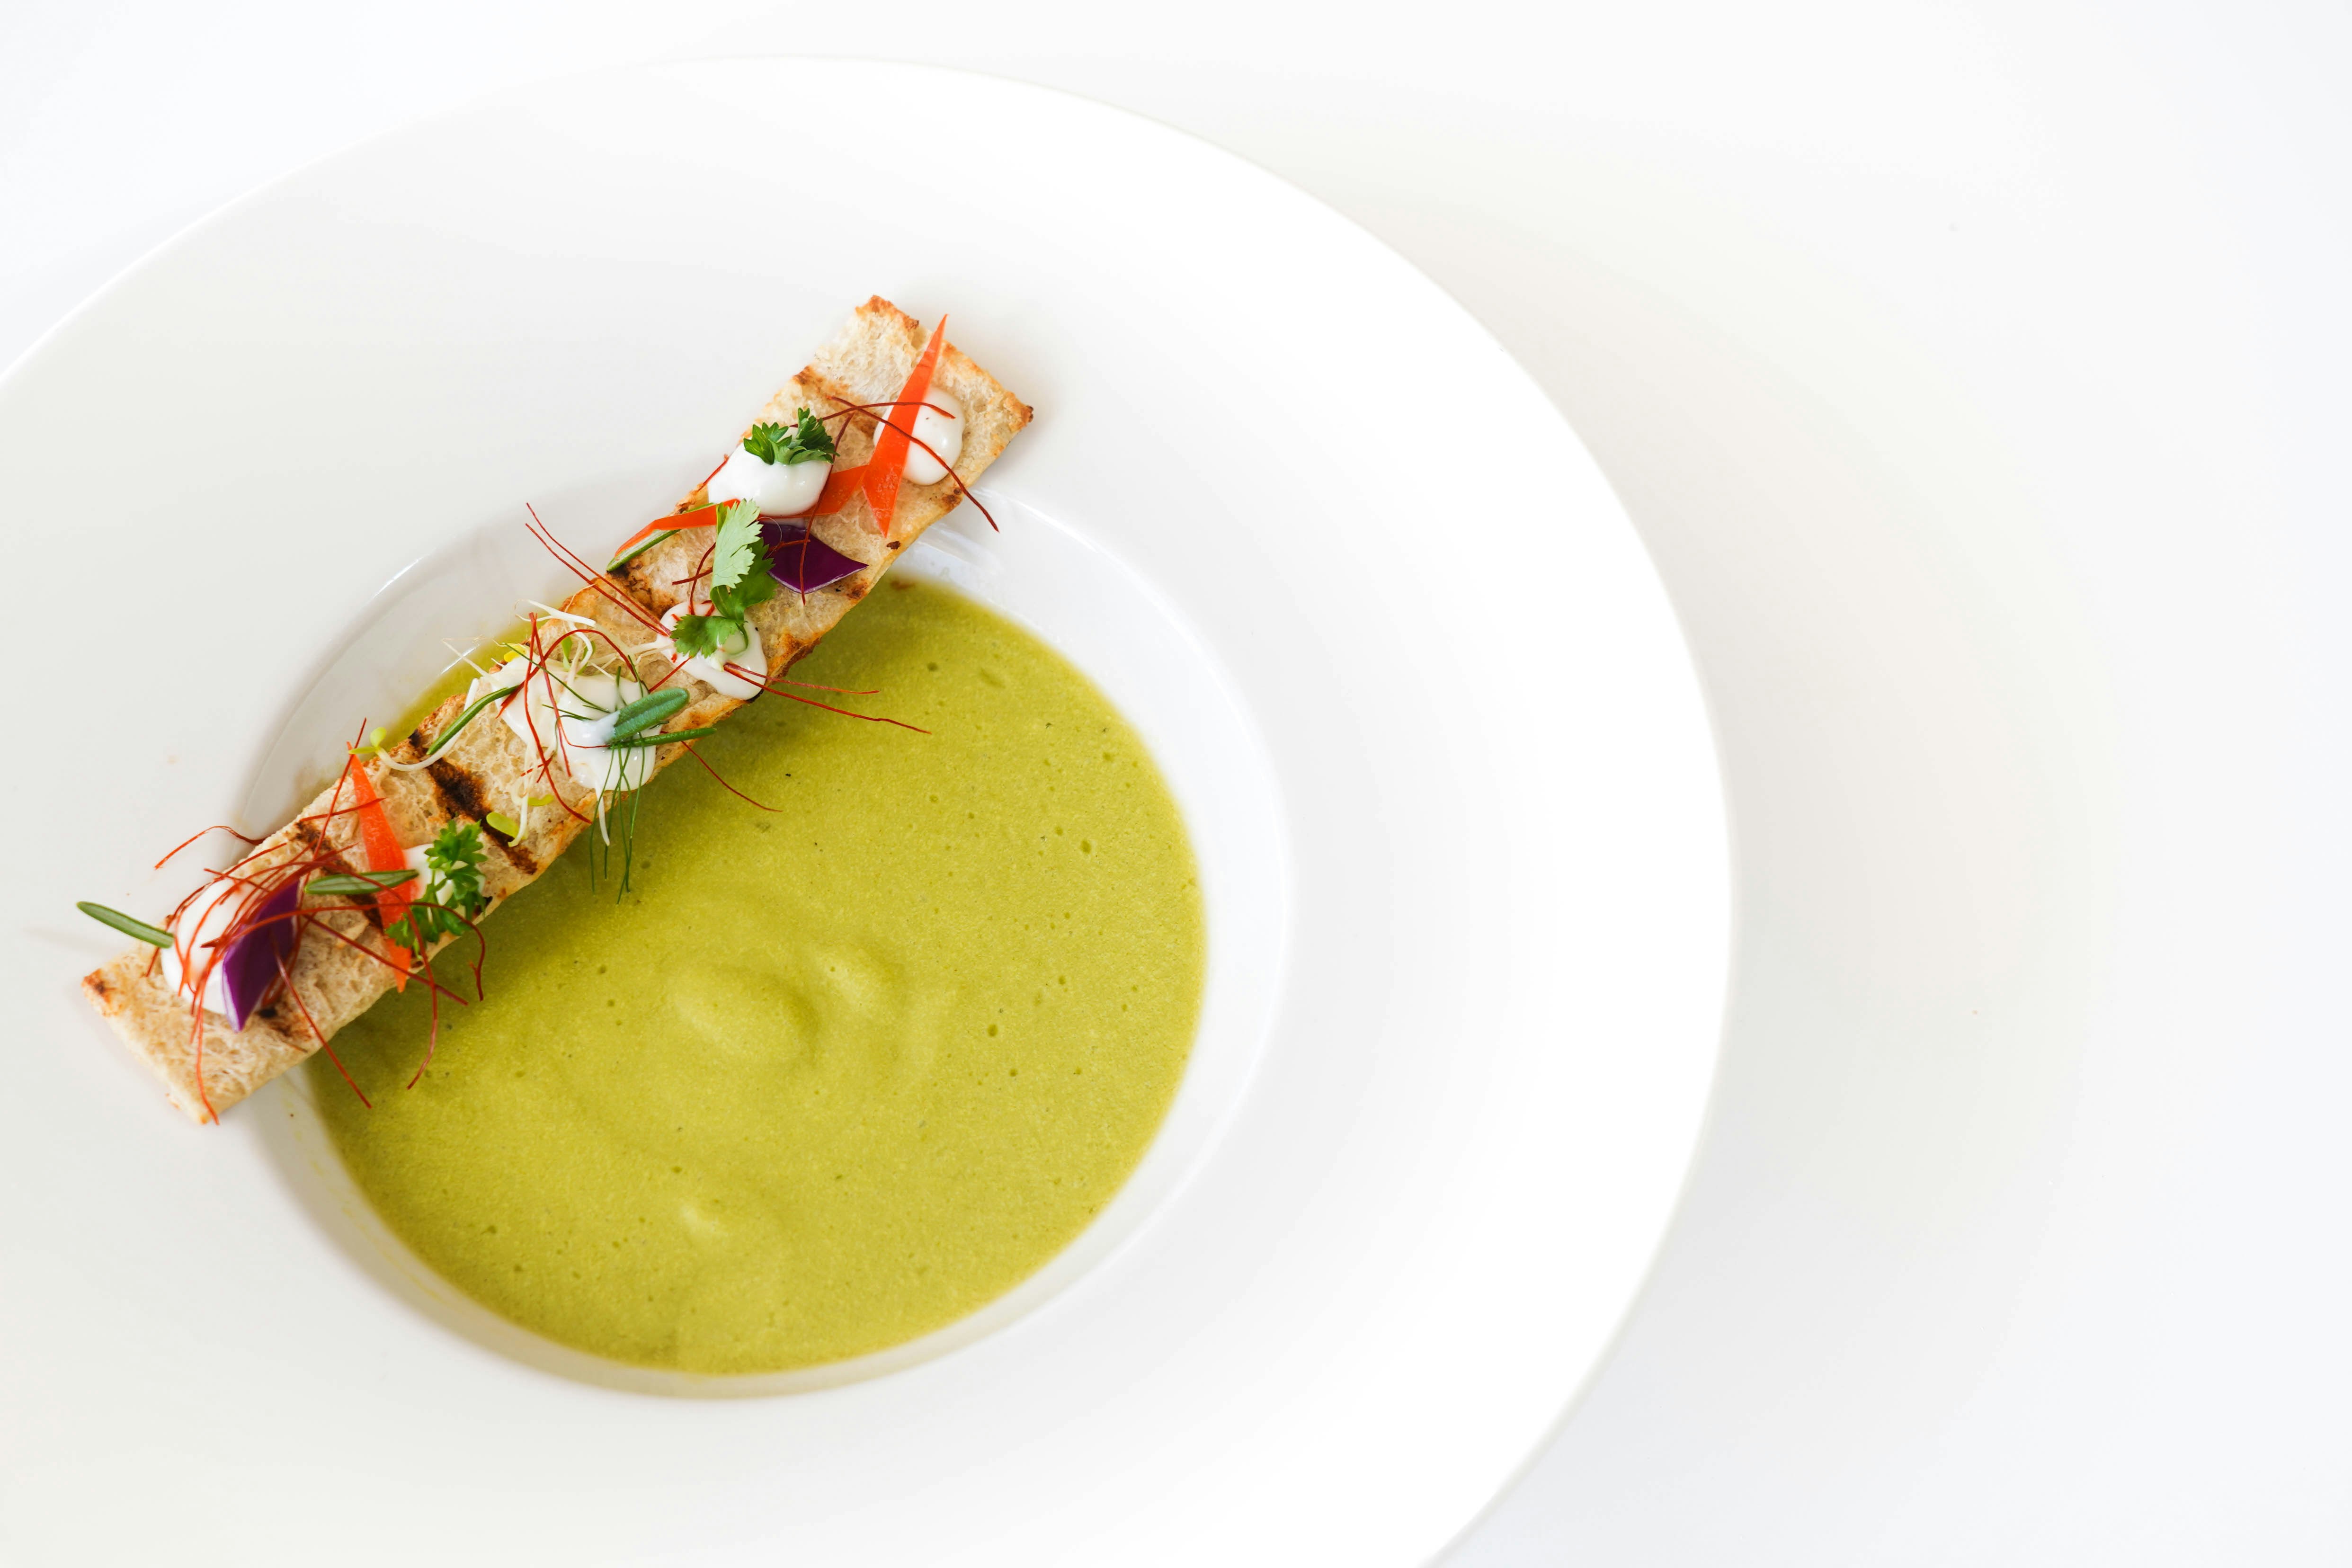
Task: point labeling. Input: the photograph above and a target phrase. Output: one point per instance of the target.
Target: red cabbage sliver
(253, 959)
(800, 559)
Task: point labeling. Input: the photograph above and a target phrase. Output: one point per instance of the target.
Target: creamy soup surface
(829, 1077)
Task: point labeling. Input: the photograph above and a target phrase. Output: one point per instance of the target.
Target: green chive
(622, 560)
(486, 697)
(359, 884)
(673, 735)
(154, 935)
(646, 712)
(629, 843)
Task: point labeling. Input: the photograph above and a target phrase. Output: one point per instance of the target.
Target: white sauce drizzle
(584, 708)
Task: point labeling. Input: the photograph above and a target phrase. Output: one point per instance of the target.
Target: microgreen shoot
(504, 826)
(521, 819)
(805, 441)
(154, 936)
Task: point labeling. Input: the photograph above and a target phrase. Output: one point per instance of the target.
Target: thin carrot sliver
(888, 463)
(839, 485)
(700, 517)
(384, 854)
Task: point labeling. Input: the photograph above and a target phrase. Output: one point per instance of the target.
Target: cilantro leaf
(738, 583)
(724, 632)
(738, 547)
(805, 441)
(704, 636)
(736, 601)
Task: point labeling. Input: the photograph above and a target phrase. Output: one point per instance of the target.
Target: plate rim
(36, 355)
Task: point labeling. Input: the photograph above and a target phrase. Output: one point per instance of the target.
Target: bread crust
(336, 977)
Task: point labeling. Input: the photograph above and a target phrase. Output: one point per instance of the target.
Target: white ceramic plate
(1418, 691)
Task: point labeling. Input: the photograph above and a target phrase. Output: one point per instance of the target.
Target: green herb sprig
(667, 738)
(805, 441)
(154, 936)
(737, 587)
(626, 556)
(633, 718)
(452, 894)
(359, 884)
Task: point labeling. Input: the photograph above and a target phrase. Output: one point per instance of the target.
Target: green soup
(830, 1076)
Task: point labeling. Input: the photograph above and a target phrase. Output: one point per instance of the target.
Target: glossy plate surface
(1399, 649)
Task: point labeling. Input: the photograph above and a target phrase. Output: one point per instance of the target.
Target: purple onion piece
(251, 963)
(800, 559)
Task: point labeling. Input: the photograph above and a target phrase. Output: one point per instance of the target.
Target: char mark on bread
(209, 1066)
(459, 791)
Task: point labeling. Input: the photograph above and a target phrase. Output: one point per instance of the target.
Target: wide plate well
(1491, 992)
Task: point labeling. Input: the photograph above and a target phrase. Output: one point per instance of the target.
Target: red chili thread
(319, 1035)
(813, 702)
(729, 788)
(199, 833)
(536, 661)
(961, 489)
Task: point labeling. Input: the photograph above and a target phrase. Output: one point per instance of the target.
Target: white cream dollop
(748, 653)
(584, 707)
(209, 917)
(940, 431)
(780, 490)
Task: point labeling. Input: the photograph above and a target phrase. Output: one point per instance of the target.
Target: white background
(1976, 376)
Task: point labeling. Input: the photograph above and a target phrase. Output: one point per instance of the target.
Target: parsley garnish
(807, 442)
(736, 586)
(452, 894)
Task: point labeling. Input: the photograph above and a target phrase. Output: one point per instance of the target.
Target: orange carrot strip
(383, 854)
(876, 479)
(700, 517)
(888, 463)
(839, 485)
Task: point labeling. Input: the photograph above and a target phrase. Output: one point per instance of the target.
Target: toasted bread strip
(334, 981)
